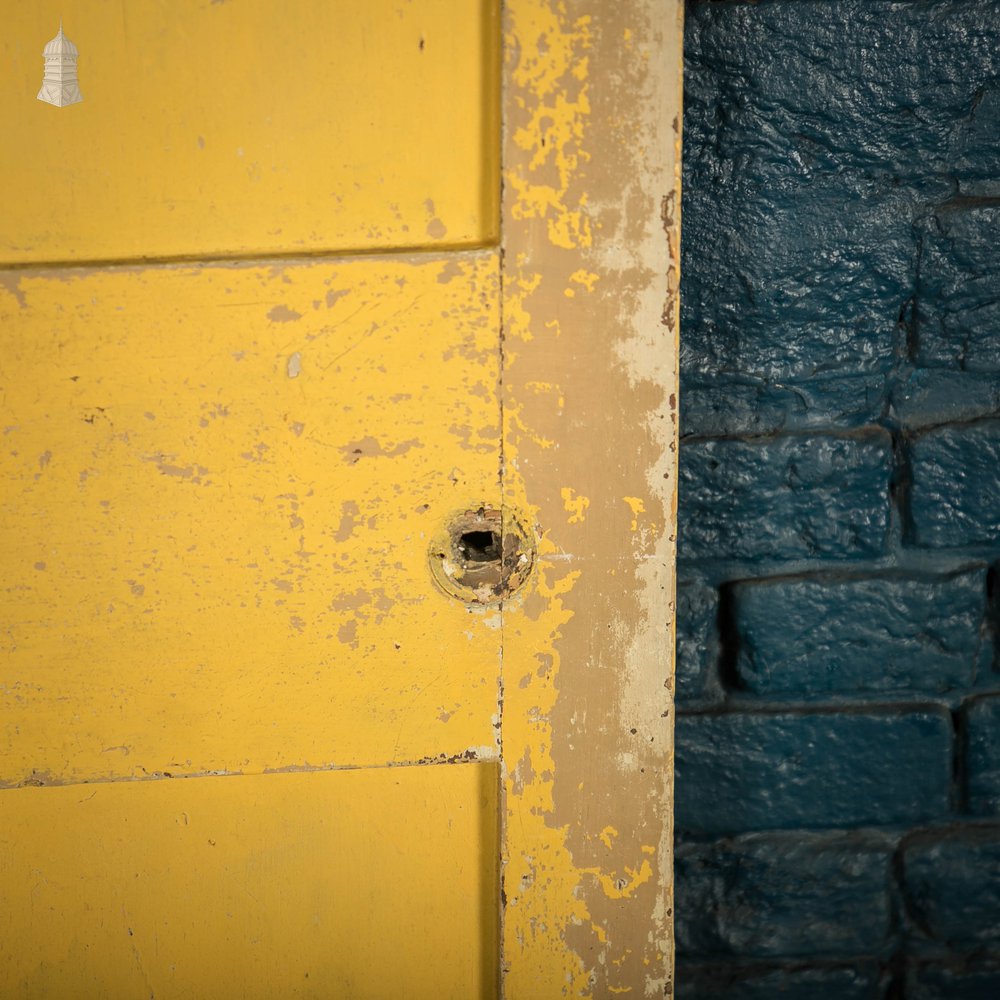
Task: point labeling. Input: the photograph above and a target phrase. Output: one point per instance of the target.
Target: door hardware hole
(479, 546)
(481, 555)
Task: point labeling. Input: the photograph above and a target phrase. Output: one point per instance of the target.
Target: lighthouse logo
(59, 86)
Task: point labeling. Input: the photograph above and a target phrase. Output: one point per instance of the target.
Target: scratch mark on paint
(192, 473)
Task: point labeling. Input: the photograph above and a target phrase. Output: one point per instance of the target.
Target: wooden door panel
(250, 128)
(287, 885)
(220, 485)
(261, 336)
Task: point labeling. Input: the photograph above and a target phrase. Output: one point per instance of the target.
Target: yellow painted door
(334, 625)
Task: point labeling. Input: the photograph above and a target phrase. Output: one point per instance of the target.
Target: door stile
(590, 267)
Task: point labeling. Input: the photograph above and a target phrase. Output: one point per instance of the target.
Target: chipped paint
(590, 285)
(249, 568)
(637, 506)
(574, 505)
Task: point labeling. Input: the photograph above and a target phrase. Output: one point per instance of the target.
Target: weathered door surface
(337, 503)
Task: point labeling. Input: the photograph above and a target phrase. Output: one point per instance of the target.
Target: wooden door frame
(590, 227)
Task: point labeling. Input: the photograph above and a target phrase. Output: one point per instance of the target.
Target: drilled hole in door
(481, 555)
(480, 546)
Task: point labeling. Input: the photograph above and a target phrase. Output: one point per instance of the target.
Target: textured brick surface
(788, 894)
(952, 885)
(812, 134)
(956, 485)
(841, 284)
(724, 406)
(982, 721)
(755, 771)
(813, 636)
(959, 295)
(938, 396)
(719, 982)
(959, 981)
(824, 272)
(906, 92)
(787, 498)
(697, 638)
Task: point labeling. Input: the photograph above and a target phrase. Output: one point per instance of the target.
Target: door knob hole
(479, 546)
(481, 555)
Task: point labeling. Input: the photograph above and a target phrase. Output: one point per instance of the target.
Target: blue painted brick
(819, 138)
(814, 133)
(951, 880)
(939, 396)
(788, 498)
(721, 982)
(697, 639)
(906, 91)
(755, 771)
(960, 980)
(783, 894)
(725, 406)
(955, 497)
(959, 295)
(789, 271)
(809, 637)
(807, 280)
(982, 722)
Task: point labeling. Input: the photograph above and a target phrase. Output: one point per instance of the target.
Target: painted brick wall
(838, 740)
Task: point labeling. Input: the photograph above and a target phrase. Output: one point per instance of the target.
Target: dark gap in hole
(993, 614)
(729, 640)
(901, 482)
(479, 546)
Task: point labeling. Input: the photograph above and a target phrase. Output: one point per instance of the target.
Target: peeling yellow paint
(556, 77)
(586, 280)
(616, 887)
(638, 506)
(607, 834)
(223, 481)
(575, 506)
(248, 568)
